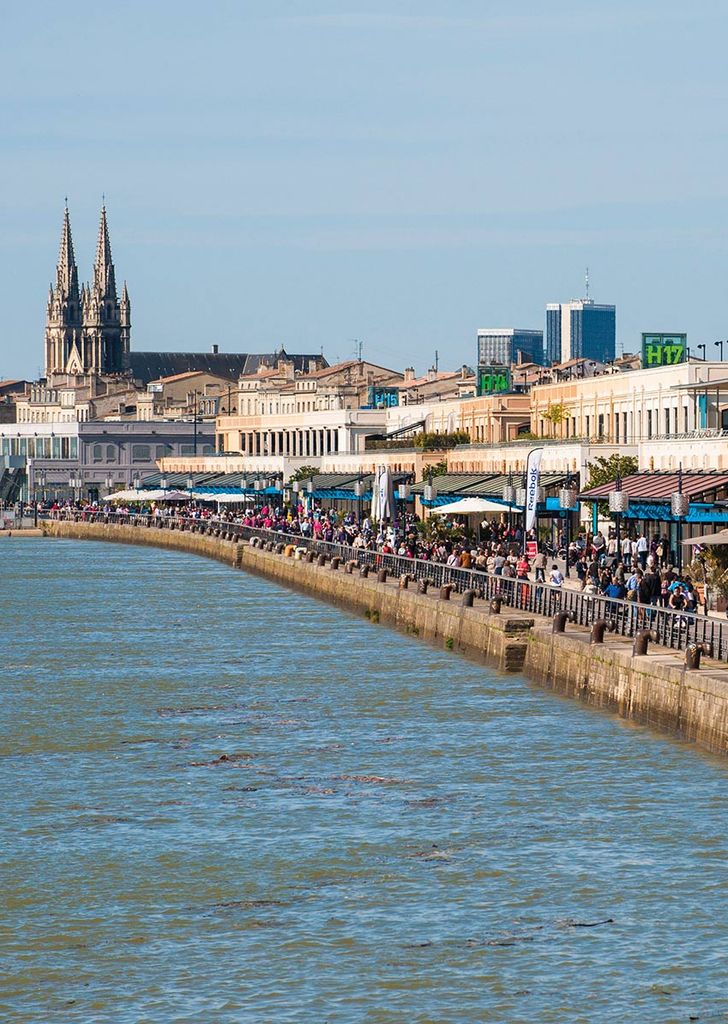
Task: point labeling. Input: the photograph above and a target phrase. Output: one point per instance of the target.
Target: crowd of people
(633, 568)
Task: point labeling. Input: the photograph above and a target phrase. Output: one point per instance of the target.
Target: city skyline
(265, 188)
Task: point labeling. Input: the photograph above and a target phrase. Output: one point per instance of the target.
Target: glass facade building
(580, 329)
(501, 346)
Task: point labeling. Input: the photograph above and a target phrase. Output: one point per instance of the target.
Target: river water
(226, 802)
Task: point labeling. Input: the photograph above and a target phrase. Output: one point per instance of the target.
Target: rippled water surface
(223, 802)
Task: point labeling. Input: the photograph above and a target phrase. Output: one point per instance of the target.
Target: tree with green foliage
(604, 470)
(436, 469)
(438, 441)
(303, 473)
(556, 413)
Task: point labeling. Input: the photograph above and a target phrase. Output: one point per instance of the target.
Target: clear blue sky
(308, 173)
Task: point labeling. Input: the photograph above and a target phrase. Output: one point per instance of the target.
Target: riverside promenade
(534, 635)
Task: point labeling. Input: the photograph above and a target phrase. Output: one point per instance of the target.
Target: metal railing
(674, 629)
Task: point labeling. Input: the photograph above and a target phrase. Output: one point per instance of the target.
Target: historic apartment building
(634, 406)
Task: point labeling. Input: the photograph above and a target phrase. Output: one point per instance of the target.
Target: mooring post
(642, 640)
(693, 654)
(560, 620)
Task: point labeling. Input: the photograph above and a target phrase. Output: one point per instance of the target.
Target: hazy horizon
(310, 174)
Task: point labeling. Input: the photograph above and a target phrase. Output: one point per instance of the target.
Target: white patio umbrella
(155, 495)
(709, 539)
(224, 497)
(123, 496)
(471, 506)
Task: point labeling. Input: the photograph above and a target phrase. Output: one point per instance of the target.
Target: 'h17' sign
(664, 349)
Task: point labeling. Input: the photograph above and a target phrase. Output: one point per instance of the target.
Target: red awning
(659, 486)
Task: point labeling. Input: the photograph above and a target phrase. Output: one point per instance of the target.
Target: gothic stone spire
(104, 276)
(67, 271)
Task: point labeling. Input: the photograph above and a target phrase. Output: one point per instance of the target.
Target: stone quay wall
(655, 689)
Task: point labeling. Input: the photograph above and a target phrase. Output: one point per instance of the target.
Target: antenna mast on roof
(437, 360)
(358, 346)
(586, 279)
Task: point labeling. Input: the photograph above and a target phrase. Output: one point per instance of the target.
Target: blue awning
(700, 512)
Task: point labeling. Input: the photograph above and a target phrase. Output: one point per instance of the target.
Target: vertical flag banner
(533, 474)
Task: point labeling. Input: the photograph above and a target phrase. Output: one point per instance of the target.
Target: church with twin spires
(88, 329)
(88, 339)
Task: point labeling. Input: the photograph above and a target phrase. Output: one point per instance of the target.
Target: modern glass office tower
(580, 329)
(500, 346)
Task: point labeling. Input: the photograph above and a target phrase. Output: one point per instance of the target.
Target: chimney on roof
(409, 374)
(215, 350)
(432, 373)
(286, 369)
(464, 372)
(312, 366)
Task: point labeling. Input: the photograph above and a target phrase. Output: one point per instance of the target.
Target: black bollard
(495, 604)
(335, 562)
(445, 591)
(468, 598)
(560, 620)
(382, 576)
(641, 641)
(350, 566)
(404, 581)
(321, 560)
(598, 629)
(364, 571)
(310, 557)
(280, 548)
(693, 653)
(422, 586)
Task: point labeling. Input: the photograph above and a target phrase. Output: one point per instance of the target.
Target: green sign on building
(493, 380)
(664, 349)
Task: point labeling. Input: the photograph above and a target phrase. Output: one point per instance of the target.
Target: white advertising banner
(533, 474)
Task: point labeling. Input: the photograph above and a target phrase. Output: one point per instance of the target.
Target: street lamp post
(618, 505)
(521, 498)
(720, 344)
(75, 482)
(509, 496)
(567, 502)
(309, 492)
(195, 395)
(699, 347)
(680, 507)
(359, 492)
(430, 490)
(403, 489)
(38, 480)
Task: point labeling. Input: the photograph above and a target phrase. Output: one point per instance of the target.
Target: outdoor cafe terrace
(650, 496)
(336, 487)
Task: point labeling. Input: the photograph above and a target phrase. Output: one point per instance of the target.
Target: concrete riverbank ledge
(655, 689)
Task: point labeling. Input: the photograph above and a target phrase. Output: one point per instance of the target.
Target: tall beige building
(88, 330)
